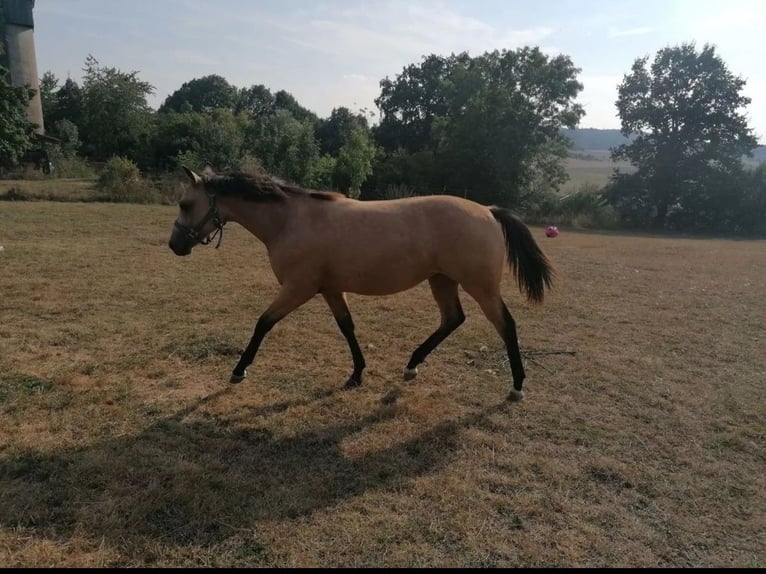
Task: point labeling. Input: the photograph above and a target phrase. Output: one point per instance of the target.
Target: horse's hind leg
(496, 311)
(340, 310)
(444, 291)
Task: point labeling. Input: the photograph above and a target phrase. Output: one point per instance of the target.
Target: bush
(167, 188)
(248, 163)
(398, 191)
(585, 208)
(70, 165)
(121, 181)
(190, 159)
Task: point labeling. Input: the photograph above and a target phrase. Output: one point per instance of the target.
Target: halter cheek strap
(195, 233)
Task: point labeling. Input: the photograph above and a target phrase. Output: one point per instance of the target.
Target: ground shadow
(196, 481)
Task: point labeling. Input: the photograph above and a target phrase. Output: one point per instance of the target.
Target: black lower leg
(262, 327)
(346, 325)
(444, 330)
(512, 346)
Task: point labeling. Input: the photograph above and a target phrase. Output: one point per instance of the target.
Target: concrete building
(17, 35)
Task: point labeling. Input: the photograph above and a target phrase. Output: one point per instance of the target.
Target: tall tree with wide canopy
(203, 94)
(686, 113)
(493, 122)
(116, 118)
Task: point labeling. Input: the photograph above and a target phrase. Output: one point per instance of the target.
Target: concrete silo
(17, 35)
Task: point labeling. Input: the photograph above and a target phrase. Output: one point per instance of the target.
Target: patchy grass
(641, 441)
(48, 189)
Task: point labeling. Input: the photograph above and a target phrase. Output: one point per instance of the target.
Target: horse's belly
(379, 277)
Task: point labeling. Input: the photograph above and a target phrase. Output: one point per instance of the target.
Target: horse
(322, 242)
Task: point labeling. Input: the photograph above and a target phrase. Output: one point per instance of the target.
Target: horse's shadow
(194, 482)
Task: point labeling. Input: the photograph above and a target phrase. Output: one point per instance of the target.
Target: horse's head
(198, 218)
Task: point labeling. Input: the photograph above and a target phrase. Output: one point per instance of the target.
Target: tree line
(490, 128)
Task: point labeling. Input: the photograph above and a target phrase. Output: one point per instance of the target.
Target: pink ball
(551, 231)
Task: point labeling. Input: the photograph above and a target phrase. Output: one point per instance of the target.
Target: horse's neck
(266, 220)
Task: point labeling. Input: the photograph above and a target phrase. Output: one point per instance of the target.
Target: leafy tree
(215, 138)
(334, 131)
(202, 95)
(354, 163)
(287, 147)
(15, 128)
(116, 119)
(49, 86)
(684, 112)
(414, 171)
(410, 103)
(493, 122)
(257, 101)
(68, 104)
(751, 217)
(68, 135)
(285, 101)
(322, 174)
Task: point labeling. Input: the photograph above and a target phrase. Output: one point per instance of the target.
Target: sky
(331, 53)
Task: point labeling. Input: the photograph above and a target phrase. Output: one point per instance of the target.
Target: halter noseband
(195, 233)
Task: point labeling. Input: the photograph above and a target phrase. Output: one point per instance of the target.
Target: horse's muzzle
(180, 242)
(180, 249)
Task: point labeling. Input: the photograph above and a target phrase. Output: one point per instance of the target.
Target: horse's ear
(196, 180)
(208, 172)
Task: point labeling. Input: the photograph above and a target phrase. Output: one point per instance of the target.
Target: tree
(333, 132)
(493, 122)
(202, 95)
(49, 86)
(354, 163)
(285, 101)
(215, 138)
(68, 104)
(68, 135)
(287, 147)
(15, 128)
(409, 104)
(116, 119)
(685, 113)
(256, 101)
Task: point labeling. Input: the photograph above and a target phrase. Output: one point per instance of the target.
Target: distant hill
(596, 139)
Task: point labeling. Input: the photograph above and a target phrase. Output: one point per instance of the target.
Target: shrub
(121, 181)
(70, 165)
(586, 208)
(398, 191)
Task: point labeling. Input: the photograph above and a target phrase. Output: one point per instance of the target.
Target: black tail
(531, 268)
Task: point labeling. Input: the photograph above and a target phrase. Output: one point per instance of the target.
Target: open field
(52, 189)
(591, 166)
(122, 444)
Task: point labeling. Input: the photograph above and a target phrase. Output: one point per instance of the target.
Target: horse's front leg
(289, 298)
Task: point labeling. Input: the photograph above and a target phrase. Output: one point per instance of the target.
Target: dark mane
(260, 187)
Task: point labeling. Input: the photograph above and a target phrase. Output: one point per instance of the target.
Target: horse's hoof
(352, 383)
(235, 378)
(515, 396)
(410, 374)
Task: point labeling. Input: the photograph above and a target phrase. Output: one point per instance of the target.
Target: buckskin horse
(325, 243)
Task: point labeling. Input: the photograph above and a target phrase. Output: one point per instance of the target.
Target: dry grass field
(593, 167)
(123, 444)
